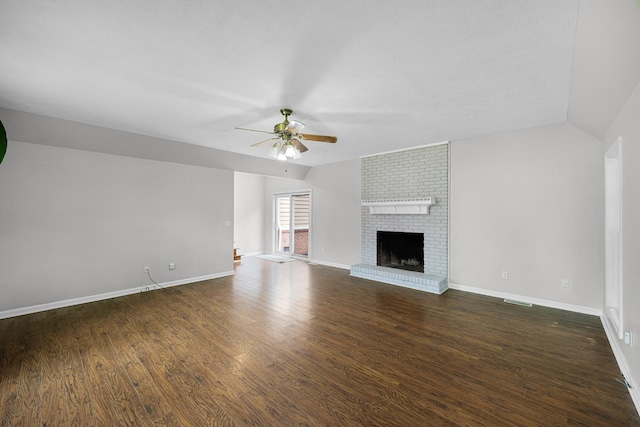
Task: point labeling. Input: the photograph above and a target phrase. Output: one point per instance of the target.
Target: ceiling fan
(288, 139)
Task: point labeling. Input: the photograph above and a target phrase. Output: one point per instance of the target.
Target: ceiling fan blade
(295, 126)
(263, 142)
(299, 145)
(319, 138)
(255, 130)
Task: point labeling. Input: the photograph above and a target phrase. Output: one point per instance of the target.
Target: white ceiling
(379, 75)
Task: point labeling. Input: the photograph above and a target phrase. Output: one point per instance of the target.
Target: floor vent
(516, 302)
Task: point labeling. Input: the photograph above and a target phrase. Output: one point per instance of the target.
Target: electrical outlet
(505, 274)
(146, 268)
(628, 337)
(172, 266)
(566, 283)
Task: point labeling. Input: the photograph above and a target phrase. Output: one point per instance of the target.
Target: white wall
(248, 213)
(27, 127)
(336, 209)
(75, 224)
(627, 125)
(530, 203)
(335, 198)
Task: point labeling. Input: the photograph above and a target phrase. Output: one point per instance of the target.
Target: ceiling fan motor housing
(282, 127)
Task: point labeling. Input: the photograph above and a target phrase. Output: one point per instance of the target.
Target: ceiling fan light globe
(290, 152)
(273, 152)
(295, 126)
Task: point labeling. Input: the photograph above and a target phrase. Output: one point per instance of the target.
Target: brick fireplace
(406, 192)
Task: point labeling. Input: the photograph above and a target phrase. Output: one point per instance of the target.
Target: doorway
(292, 231)
(613, 236)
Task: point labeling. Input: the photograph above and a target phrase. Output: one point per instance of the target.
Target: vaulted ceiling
(379, 75)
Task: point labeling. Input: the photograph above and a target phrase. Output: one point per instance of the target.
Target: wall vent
(516, 302)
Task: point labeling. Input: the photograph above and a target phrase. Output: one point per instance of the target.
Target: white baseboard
(251, 254)
(535, 301)
(330, 264)
(616, 346)
(91, 298)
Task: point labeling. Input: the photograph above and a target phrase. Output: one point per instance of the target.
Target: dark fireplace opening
(401, 250)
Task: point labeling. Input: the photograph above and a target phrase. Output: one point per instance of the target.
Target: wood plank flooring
(296, 344)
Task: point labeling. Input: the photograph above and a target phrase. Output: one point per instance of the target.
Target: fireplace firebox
(401, 250)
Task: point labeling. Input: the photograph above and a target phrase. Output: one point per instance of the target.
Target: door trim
(613, 287)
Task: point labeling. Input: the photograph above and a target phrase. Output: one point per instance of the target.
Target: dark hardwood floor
(297, 344)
